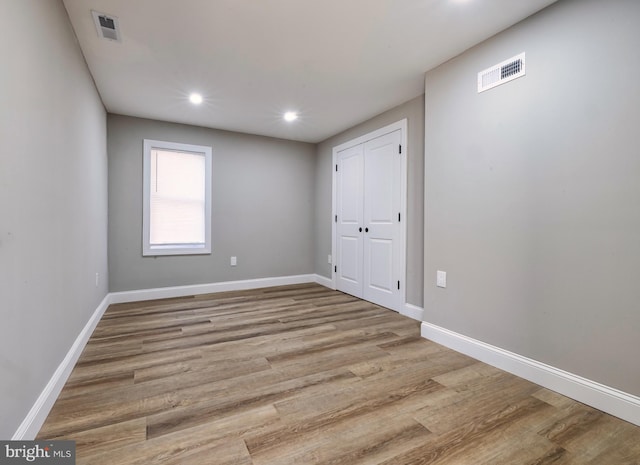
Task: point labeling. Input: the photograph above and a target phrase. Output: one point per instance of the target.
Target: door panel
(350, 187)
(381, 266)
(379, 183)
(350, 259)
(349, 208)
(382, 202)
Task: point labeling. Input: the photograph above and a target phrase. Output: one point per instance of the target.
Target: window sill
(160, 250)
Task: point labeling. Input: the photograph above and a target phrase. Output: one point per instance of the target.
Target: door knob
(366, 229)
(360, 229)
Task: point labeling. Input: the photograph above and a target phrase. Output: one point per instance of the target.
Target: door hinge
(335, 269)
(400, 149)
(336, 219)
(398, 217)
(336, 168)
(398, 285)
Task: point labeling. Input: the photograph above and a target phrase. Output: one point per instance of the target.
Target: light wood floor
(305, 375)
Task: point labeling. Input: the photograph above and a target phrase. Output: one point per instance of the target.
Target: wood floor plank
(166, 449)
(306, 375)
(274, 440)
(110, 437)
(460, 445)
(346, 442)
(194, 411)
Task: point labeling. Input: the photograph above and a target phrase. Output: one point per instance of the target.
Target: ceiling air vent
(107, 26)
(506, 71)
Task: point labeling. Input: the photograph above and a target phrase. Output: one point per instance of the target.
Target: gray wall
(53, 200)
(262, 207)
(532, 192)
(413, 110)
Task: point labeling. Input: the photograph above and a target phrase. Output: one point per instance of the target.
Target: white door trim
(402, 126)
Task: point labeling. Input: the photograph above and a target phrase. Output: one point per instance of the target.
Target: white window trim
(181, 249)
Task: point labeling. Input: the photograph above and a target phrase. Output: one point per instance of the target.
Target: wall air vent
(107, 26)
(506, 71)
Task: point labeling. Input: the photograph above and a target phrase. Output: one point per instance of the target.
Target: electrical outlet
(329, 259)
(234, 261)
(441, 278)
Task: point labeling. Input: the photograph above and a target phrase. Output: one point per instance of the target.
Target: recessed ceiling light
(195, 98)
(290, 116)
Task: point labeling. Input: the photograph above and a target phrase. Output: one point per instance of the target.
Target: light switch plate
(234, 261)
(441, 279)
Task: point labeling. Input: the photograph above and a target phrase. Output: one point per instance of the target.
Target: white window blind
(177, 191)
(177, 198)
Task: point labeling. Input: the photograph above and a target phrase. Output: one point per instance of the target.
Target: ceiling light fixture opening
(195, 98)
(290, 116)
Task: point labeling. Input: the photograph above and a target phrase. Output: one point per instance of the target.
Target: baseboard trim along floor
(196, 289)
(30, 426)
(412, 311)
(36, 416)
(232, 375)
(605, 398)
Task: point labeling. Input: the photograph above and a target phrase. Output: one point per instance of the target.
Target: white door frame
(402, 126)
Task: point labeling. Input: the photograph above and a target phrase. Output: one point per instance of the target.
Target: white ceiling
(335, 62)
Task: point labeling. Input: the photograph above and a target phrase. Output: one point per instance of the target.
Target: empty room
(297, 232)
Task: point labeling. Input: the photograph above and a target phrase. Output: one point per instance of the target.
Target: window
(177, 199)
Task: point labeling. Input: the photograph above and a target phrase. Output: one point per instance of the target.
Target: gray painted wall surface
(532, 193)
(53, 200)
(262, 207)
(413, 111)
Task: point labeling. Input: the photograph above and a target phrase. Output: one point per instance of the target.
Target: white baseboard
(324, 281)
(30, 426)
(412, 311)
(32, 423)
(182, 291)
(620, 404)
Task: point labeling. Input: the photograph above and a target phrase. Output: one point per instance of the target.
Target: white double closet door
(368, 206)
